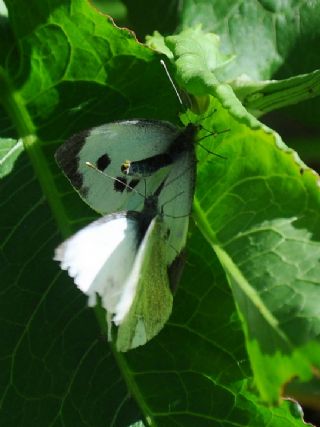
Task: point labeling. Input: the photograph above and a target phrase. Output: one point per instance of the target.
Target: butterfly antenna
(184, 106)
(172, 83)
(92, 166)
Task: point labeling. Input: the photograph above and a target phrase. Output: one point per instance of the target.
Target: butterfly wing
(128, 271)
(107, 147)
(176, 201)
(110, 257)
(160, 250)
(100, 257)
(176, 197)
(147, 291)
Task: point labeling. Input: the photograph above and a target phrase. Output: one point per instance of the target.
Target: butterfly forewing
(176, 197)
(107, 147)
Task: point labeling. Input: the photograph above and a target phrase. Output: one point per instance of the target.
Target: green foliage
(246, 315)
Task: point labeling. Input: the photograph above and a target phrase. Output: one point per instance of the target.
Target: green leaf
(269, 40)
(261, 97)
(261, 216)
(73, 69)
(261, 36)
(10, 149)
(196, 371)
(162, 16)
(204, 50)
(56, 368)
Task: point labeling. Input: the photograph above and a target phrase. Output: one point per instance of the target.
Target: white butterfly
(127, 258)
(108, 146)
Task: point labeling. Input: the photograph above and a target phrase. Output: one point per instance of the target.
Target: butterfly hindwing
(152, 302)
(100, 257)
(121, 258)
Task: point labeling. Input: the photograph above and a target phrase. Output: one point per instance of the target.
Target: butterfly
(107, 146)
(129, 257)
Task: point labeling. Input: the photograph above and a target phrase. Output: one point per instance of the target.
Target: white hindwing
(100, 258)
(108, 258)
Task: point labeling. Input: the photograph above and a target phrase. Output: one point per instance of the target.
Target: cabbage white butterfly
(107, 146)
(127, 256)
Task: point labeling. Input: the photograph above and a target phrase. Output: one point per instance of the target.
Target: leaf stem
(262, 97)
(15, 107)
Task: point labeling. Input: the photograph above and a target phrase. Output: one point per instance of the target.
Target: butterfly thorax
(184, 141)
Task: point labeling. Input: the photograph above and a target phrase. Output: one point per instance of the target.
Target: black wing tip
(71, 147)
(67, 159)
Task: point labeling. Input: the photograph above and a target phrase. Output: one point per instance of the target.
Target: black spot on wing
(68, 160)
(103, 162)
(120, 184)
(132, 184)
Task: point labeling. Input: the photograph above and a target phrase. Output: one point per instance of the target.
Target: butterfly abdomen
(146, 167)
(183, 142)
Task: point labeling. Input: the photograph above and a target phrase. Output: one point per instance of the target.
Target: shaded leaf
(77, 70)
(10, 149)
(261, 215)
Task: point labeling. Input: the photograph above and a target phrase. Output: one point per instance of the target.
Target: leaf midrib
(15, 107)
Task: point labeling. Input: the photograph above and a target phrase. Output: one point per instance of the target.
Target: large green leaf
(270, 39)
(161, 16)
(76, 69)
(260, 212)
(265, 36)
(56, 367)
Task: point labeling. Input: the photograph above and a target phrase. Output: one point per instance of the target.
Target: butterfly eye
(103, 162)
